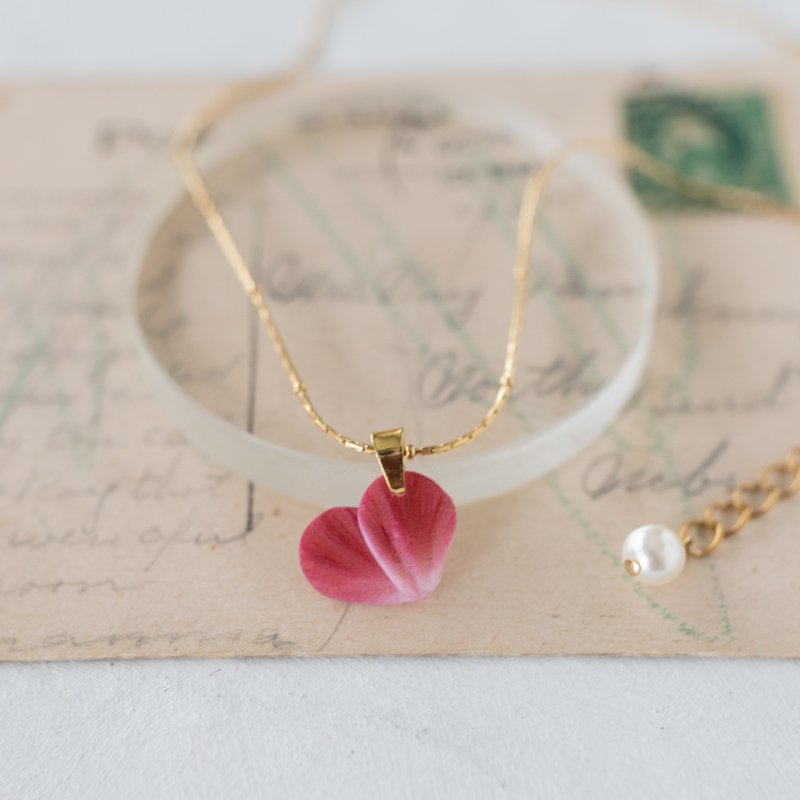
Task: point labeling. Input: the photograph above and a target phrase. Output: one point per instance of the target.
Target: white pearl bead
(653, 554)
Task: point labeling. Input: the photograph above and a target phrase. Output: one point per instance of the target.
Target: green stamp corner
(724, 139)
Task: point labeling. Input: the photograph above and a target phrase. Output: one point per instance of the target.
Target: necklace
(391, 548)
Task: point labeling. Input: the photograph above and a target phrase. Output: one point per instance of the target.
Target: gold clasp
(390, 449)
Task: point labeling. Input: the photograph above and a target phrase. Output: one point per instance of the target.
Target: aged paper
(118, 540)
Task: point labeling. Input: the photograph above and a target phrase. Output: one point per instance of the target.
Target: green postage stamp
(716, 138)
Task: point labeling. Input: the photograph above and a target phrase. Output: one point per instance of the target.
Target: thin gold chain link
(188, 137)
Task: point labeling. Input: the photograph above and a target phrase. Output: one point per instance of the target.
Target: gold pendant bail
(390, 449)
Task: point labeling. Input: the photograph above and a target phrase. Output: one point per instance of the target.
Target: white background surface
(383, 728)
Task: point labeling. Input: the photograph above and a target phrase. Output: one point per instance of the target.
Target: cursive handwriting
(623, 472)
(446, 377)
(289, 279)
(190, 531)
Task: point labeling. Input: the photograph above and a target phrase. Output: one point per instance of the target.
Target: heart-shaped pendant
(389, 550)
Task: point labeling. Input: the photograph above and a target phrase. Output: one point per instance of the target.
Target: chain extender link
(748, 501)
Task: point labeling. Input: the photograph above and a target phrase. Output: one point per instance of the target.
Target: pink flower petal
(408, 534)
(337, 562)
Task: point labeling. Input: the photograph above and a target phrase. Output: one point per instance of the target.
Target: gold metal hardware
(632, 567)
(390, 448)
(750, 500)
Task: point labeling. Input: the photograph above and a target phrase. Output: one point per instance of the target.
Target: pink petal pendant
(389, 550)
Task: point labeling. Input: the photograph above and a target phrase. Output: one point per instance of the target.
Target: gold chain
(183, 155)
(748, 501)
(188, 137)
(728, 197)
